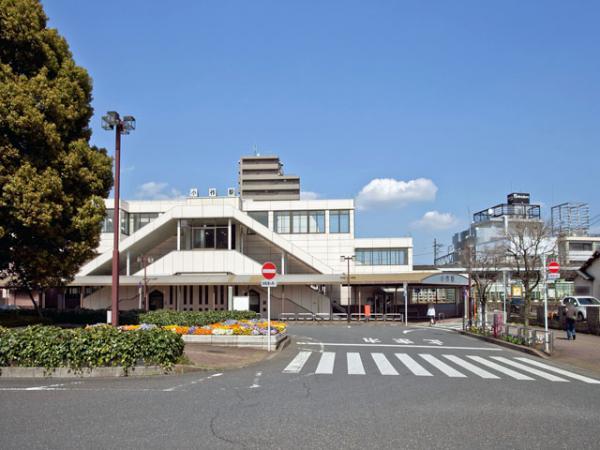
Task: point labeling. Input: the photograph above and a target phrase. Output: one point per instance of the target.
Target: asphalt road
(376, 386)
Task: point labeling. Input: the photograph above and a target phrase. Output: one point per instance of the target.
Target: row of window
(381, 256)
(130, 222)
(302, 222)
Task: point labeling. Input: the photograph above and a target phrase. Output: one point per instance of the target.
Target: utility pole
(436, 247)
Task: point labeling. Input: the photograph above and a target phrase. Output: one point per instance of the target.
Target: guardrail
(532, 337)
(357, 317)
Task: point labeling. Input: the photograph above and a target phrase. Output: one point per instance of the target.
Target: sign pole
(546, 340)
(405, 304)
(269, 319)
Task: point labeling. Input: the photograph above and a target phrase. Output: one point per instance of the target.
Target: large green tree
(52, 182)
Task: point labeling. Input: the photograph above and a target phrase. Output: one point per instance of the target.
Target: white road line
(297, 363)
(326, 362)
(471, 368)
(199, 380)
(441, 347)
(355, 366)
(442, 366)
(499, 368)
(566, 373)
(539, 373)
(384, 366)
(416, 368)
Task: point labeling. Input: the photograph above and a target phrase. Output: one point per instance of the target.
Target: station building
(198, 253)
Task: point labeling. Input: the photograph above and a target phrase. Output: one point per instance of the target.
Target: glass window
(299, 222)
(142, 219)
(222, 238)
(381, 257)
(339, 221)
(282, 222)
(260, 216)
(316, 222)
(107, 224)
(204, 238)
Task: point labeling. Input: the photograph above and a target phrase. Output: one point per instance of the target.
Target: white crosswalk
(428, 365)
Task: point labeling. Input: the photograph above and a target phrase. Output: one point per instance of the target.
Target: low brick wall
(259, 342)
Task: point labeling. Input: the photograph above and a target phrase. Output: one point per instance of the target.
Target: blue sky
(452, 104)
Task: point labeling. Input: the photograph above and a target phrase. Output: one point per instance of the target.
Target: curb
(500, 342)
(66, 372)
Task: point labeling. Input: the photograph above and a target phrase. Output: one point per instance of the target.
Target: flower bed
(166, 317)
(231, 327)
(90, 347)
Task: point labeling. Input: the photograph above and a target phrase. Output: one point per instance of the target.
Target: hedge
(23, 317)
(193, 318)
(78, 349)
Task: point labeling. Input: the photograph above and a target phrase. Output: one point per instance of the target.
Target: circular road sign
(269, 270)
(553, 267)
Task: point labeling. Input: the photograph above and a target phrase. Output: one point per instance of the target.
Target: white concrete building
(200, 252)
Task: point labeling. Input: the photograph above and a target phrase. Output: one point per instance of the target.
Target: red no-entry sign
(553, 267)
(269, 270)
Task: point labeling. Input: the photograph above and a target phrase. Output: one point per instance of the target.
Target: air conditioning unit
(231, 192)
(194, 192)
(212, 192)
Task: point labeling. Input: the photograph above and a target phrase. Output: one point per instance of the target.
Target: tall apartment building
(262, 178)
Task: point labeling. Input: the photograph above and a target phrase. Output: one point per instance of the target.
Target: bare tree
(527, 243)
(483, 267)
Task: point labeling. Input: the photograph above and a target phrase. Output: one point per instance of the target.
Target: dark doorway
(254, 299)
(156, 300)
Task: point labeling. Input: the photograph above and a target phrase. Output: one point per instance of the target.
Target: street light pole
(112, 121)
(348, 259)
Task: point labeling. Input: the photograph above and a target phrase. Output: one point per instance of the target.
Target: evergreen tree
(52, 182)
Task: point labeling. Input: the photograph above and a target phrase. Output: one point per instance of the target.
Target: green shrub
(193, 318)
(24, 317)
(100, 346)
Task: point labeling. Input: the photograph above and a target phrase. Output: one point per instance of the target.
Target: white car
(581, 304)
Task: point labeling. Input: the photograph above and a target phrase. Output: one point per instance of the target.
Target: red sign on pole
(269, 270)
(553, 267)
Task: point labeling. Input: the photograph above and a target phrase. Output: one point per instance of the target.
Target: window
(107, 224)
(260, 216)
(339, 221)
(580, 246)
(381, 256)
(210, 237)
(282, 222)
(141, 219)
(316, 222)
(299, 222)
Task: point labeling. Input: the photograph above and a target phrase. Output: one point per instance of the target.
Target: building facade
(198, 253)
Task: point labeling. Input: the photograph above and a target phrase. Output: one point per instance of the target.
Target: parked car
(581, 304)
(516, 305)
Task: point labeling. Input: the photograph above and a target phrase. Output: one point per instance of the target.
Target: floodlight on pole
(112, 121)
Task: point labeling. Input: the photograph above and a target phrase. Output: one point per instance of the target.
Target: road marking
(297, 363)
(471, 368)
(371, 340)
(416, 368)
(525, 368)
(199, 380)
(442, 366)
(255, 384)
(499, 368)
(384, 366)
(340, 344)
(560, 371)
(326, 362)
(434, 341)
(355, 366)
(403, 341)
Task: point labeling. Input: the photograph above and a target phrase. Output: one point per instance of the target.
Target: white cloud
(153, 190)
(308, 195)
(435, 220)
(388, 191)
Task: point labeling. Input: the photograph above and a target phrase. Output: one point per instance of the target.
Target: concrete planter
(65, 372)
(260, 342)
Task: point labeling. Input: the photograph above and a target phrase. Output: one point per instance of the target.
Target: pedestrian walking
(571, 314)
(431, 313)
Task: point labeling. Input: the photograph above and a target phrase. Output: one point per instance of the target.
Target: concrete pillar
(178, 234)
(282, 263)
(128, 264)
(228, 234)
(82, 289)
(230, 298)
